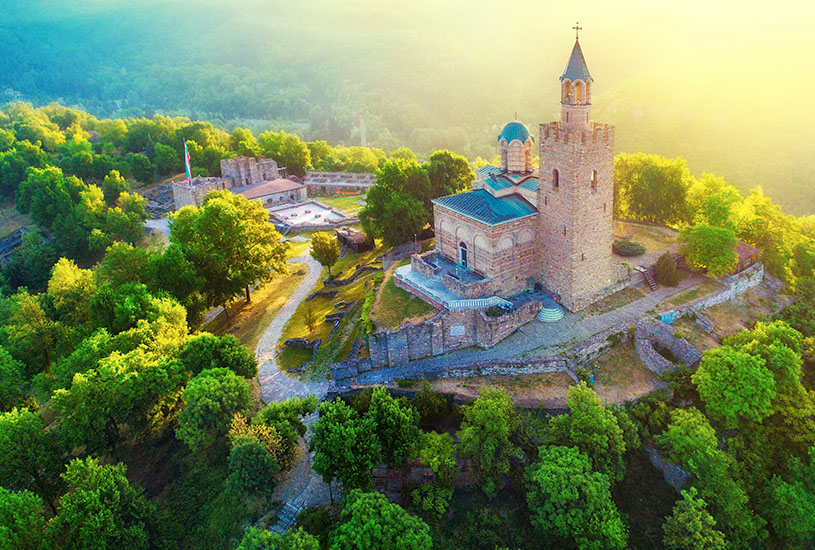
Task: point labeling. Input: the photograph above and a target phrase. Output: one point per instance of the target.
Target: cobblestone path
(275, 385)
(535, 339)
(302, 488)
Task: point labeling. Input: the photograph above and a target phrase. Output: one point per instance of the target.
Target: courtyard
(307, 214)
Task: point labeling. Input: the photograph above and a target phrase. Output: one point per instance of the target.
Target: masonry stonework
(575, 207)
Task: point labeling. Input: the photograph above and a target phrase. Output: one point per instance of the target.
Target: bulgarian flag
(187, 161)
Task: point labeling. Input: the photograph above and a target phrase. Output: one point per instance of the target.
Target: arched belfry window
(555, 179)
(594, 180)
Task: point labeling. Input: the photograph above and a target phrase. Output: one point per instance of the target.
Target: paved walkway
(535, 339)
(275, 385)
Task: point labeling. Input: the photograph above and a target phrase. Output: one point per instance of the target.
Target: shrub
(624, 247)
(494, 311)
(666, 273)
(405, 383)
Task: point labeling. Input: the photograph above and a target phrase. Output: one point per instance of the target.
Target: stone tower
(576, 195)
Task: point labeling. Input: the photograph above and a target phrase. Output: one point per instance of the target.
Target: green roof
(483, 207)
(515, 130)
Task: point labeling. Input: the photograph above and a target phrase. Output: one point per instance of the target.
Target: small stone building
(519, 229)
(192, 192)
(249, 171)
(272, 193)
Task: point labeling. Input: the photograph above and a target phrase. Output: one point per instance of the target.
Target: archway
(462, 254)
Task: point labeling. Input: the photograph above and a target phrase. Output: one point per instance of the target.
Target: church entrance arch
(462, 254)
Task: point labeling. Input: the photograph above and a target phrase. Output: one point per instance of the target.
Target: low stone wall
(648, 333)
(467, 291)
(734, 286)
(447, 331)
(420, 265)
(491, 330)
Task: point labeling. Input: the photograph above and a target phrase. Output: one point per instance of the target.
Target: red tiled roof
(268, 188)
(744, 250)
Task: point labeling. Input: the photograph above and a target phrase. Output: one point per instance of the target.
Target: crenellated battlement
(599, 133)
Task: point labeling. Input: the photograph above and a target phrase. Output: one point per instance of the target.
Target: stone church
(521, 229)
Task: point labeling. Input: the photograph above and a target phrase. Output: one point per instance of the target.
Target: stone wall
(249, 171)
(192, 193)
(734, 286)
(321, 184)
(422, 265)
(507, 253)
(447, 331)
(480, 289)
(649, 333)
(575, 206)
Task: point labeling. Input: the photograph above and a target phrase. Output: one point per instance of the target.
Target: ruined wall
(575, 213)
(650, 333)
(469, 291)
(447, 331)
(507, 253)
(249, 171)
(192, 193)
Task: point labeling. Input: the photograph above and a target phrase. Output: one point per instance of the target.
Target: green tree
(734, 384)
(568, 499)
(212, 397)
(325, 249)
(29, 334)
(691, 442)
(286, 418)
(31, 457)
(345, 445)
(713, 202)
(395, 425)
(448, 174)
(71, 290)
(488, 425)
(691, 527)
(593, 429)
(369, 522)
(207, 351)
(172, 272)
(22, 521)
(243, 142)
(403, 153)
(396, 207)
(113, 186)
(288, 150)
(666, 273)
(31, 262)
(231, 242)
(15, 162)
(167, 159)
(126, 221)
(102, 510)
(252, 467)
(122, 391)
(791, 506)
(142, 169)
(12, 383)
(438, 453)
(710, 248)
(261, 539)
(651, 188)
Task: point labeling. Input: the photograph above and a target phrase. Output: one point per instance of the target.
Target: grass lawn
(394, 306)
(653, 238)
(299, 248)
(697, 291)
(249, 321)
(620, 375)
(11, 220)
(289, 358)
(618, 299)
(346, 202)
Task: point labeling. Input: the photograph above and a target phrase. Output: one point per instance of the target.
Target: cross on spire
(577, 28)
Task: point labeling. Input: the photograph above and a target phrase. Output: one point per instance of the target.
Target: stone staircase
(648, 274)
(286, 518)
(550, 312)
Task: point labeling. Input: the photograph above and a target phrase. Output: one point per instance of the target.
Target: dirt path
(275, 385)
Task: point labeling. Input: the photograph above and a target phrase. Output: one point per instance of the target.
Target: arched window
(462, 254)
(594, 181)
(545, 199)
(555, 179)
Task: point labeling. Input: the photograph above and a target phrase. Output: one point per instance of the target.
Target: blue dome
(515, 130)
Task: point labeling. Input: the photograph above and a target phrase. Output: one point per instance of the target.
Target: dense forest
(431, 76)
